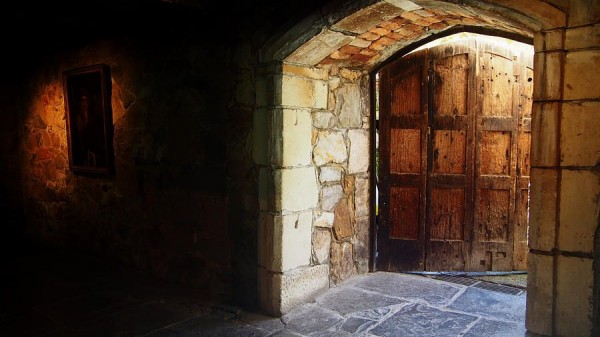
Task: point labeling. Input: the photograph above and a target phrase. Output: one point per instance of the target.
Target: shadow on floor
(51, 293)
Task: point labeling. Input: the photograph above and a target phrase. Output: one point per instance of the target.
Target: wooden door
(454, 171)
(449, 183)
(403, 142)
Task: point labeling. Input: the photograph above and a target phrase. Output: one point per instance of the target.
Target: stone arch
(312, 136)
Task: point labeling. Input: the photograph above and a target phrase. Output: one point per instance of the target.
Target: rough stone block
(321, 242)
(582, 75)
(580, 134)
(301, 92)
(574, 295)
(324, 220)
(583, 37)
(330, 148)
(361, 197)
(544, 130)
(359, 151)
(342, 261)
(330, 196)
(542, 209)
(547, 77)
(579, 193)
(330, 174)
(348, 106)
(539, 294)
(296, 189)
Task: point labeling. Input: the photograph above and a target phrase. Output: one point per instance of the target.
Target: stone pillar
(288, 189)
(565, 181)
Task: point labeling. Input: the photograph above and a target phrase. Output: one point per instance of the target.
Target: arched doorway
(301, 69)
(453, 179)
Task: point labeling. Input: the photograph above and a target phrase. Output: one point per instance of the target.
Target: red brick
(386, 41)
(360, 58)
(414, 28)
(380, 31)
(377, 46)
(368, 52)
(337, 55)
(410, 16)
(350, 50)
(369, 36)
(389, 25)
(438, 26)
(469, 21)
(399, 20)
(395, 36)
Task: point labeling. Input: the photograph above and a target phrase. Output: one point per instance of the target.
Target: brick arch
(304, 120)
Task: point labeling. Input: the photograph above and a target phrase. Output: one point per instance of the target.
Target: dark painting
(89, 119)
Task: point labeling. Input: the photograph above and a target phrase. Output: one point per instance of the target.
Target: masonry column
(288, 189)
(565, 179)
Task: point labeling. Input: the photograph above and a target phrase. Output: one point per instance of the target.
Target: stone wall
(182, 202)
(341, 156)
(312, 147)
(565, 182)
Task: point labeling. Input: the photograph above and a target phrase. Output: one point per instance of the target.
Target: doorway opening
(452, 151)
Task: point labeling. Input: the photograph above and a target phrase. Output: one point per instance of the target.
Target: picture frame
(87, 94)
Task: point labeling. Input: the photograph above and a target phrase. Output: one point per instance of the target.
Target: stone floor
(57, 294)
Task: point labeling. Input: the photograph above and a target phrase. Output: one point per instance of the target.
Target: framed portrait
(89, 119)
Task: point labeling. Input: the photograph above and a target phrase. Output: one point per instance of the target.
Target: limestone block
(579, 192)
(295, 233)
(583, 37)
(342, 261)
(582, 12)
(554, 39)
(266, 189)
(547, 77)
(280, 293)
(574, 293)
(285, 241)
(296, 189)
(261, 135)
(319, 47)
(359, 151)
(582, 75)
(544, 130)
(301, 92)
(296, 137)
(321, 242)
(361, 197)
(580, 134)
(542, 209)
(324, 219)
(266, 253)
(330, 196)
(539, 294)
(330, 148)
(330, 174)
(348, 106)
(265, 90)
(308, 72)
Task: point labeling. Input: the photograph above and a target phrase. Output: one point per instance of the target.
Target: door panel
(403, 154)
(455, 126)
